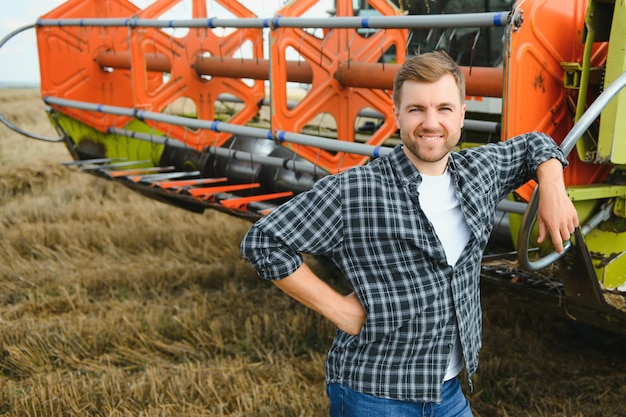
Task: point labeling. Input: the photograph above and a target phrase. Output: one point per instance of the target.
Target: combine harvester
(200, 111)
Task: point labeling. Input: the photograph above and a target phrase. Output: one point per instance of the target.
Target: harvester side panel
(534, 95)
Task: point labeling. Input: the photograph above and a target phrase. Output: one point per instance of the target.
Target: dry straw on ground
(115, 305)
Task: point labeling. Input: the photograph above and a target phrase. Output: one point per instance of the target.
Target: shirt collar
(406, 171)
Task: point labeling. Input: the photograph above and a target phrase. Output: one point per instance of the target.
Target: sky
(18, 57)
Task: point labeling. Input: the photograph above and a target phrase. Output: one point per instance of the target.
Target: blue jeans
(345, 402)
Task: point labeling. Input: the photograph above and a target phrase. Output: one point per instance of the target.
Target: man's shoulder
(373, 167)
(372, 174)
(348, 175)
(473, 155)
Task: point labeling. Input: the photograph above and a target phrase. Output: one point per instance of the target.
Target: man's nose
(431, 121)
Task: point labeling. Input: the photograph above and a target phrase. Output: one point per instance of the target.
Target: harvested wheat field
(112, 304)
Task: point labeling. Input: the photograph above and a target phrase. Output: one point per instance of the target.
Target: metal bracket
(583, 294)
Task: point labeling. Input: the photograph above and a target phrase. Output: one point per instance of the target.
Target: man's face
(430, 118)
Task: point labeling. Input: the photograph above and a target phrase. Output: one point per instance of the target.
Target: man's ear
(463, 109)
(396, 116)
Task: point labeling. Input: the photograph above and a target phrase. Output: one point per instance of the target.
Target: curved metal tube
(6, 121)
(567, 145)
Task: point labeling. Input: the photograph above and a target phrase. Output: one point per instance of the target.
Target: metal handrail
(460, 20)
(217, 126)
(567, 145)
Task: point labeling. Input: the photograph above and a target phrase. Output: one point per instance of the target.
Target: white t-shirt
(442, 208)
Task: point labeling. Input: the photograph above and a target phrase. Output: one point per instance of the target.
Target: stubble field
(112, 304)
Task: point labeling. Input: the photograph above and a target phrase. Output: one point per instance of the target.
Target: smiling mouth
(430, 138)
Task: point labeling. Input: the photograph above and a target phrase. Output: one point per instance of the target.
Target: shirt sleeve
(540, 148)
(310, 223)
(516, 159)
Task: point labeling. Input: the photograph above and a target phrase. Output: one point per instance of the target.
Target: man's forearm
(556, 215)
(550, 171)
(307, 288)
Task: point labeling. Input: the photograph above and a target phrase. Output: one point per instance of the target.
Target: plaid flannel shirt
(368, 221)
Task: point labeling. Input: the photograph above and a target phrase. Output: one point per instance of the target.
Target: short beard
(415, 150)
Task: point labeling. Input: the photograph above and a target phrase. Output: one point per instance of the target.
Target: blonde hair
(427, 68)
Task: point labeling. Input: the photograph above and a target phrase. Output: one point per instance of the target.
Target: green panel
(108, 145)
(612, 136)
(615, 272)
(608, 250)
(595, 191)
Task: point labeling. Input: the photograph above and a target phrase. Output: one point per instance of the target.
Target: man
(408, 231)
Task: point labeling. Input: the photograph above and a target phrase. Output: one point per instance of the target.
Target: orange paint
(534, 95)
